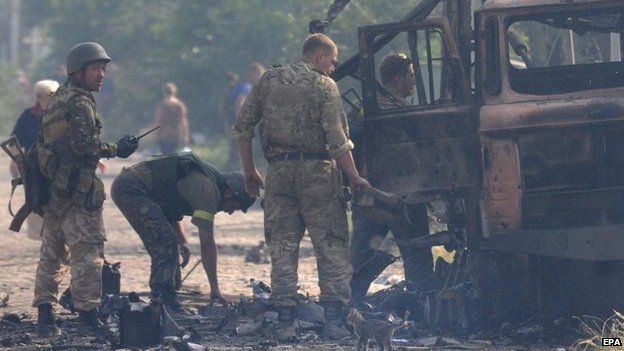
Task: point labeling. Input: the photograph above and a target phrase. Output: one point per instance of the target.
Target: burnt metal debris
(111, 285)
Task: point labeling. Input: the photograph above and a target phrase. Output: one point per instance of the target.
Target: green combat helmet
(84, 53)
(236, 182)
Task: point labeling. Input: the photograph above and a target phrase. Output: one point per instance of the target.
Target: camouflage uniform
(391, 100)
(153, 195)
(69, 149)
(300, 117)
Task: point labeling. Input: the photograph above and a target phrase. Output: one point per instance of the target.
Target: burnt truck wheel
(503, 288)
(577, 288)
(513, 288)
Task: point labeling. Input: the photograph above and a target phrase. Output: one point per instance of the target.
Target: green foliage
(13, 98)
(215, 154)
(192, 43)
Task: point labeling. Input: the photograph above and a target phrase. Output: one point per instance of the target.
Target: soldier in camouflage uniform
(304, 134)
(68, 149)
(397, 76)
(154, 196)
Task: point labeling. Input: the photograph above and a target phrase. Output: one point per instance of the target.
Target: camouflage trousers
(79, 233)
(147, 218)
(304, 195)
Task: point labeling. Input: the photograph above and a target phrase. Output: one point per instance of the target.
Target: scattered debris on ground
(132, 321)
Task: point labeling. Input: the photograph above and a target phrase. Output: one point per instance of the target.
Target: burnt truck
(515, 132)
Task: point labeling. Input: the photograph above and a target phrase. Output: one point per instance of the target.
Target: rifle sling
(14, 183)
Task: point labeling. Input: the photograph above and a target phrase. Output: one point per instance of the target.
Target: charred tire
(503, 287)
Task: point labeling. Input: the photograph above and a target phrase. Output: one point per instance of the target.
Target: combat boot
(46, 325)
(89, 320)
(286, 331)
(334, 328)
(169, 299)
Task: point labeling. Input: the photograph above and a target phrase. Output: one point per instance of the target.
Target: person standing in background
(25, 130)
(228, 116)
(239, 94)
(171, 115)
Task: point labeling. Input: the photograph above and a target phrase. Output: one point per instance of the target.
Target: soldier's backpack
(30, 177)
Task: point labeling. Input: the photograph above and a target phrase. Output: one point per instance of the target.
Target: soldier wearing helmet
(68, 149)
(154, 195)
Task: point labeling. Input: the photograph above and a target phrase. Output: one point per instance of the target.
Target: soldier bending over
(154, 196)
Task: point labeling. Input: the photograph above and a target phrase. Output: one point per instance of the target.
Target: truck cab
(530, 140)
(519, 135)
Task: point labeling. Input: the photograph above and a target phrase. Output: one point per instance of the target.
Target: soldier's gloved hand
(185, 252)
(126, 146)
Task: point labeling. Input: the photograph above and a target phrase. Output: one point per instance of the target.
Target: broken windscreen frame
(557, 53)
(414, 70)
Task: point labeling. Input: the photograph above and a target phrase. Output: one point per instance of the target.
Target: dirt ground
(235, 234)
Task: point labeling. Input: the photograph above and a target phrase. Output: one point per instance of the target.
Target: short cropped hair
(170, 89)
(392, 65)
(315, 42)
(45, 87)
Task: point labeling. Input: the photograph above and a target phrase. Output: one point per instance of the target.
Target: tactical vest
(166, 171)
(55, 131)
(69, 175)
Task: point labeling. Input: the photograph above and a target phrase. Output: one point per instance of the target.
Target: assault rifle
(29, 177)
(35, 184)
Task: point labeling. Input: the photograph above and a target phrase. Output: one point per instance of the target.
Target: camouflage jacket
(298, 109)
(391, 100)
(70, 127)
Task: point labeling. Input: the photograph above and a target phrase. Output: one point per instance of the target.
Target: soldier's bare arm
(209, 260)
(85, 130)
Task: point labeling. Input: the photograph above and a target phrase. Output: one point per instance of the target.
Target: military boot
(334, 328)
(286, 331)
(46, 325)
(89, 320)
(169, 299)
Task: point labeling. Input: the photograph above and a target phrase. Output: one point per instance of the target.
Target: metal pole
(15, 31)
(615, 47)
(572, 46)
(191, 271)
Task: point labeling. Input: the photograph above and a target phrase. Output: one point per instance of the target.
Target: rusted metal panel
(599, 243)
(422, 152)
(440, 164)
(502, 191)
(573, 209)
(560, 159)
(575, 110)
